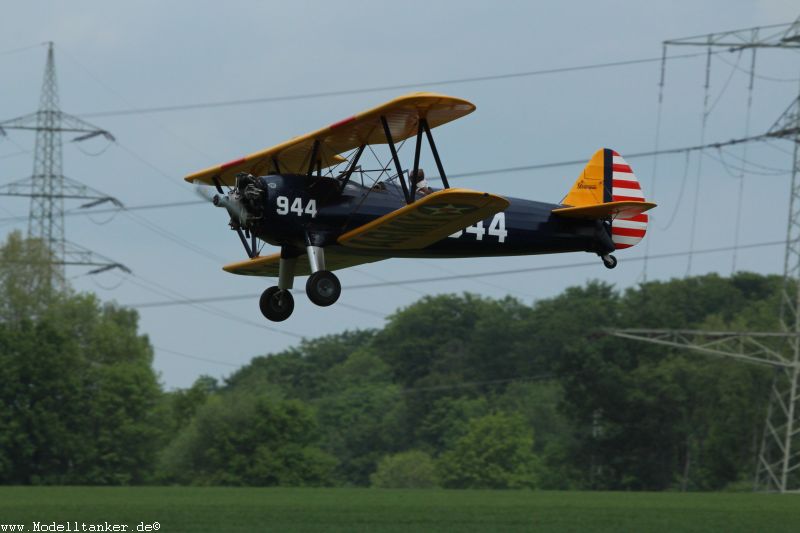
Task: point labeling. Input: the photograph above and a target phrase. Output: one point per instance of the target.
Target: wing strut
(412, 179)
(244, 242)
(424, 123)
(312, 162)
(346, 178)
(409, 198)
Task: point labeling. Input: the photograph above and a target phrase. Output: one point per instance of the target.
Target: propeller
(229, 201)
(203, 192)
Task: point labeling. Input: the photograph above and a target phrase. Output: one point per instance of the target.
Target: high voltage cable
(192, 301)
(157, 288)
(627, 156)
(504, 170)
(195, 357)
(343, 92)
(21, 49)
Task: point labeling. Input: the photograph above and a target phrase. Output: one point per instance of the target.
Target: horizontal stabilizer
(428, 220)
(623, 209)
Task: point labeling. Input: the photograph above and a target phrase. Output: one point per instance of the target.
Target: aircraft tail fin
(608, 188)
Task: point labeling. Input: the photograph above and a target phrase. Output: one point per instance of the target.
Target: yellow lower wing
(429, 219)
(625, 209)
(268, 264)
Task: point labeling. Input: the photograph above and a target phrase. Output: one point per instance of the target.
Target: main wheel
(276, 304)
(609, 261)
(323, 288)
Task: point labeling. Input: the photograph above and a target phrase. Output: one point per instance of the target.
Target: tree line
(455, 391)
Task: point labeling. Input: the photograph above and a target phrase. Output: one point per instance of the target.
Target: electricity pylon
(47, 188)
(778, 467)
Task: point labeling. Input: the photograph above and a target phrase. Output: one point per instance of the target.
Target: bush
(496, 453)
(247, 439)
(413, 469)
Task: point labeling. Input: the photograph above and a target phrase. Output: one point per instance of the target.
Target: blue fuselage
(299, 210)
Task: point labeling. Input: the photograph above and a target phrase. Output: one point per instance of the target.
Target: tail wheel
(276, 304)
(323, 288)
(609, 261)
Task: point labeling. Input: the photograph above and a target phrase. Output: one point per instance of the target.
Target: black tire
(323, 288)
(276, 304)
(609, 261)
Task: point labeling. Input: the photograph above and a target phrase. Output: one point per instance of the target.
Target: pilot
(418, 180)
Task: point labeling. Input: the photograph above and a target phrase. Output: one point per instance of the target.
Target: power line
(157, 288)
(344, 92)
(191, 301)
(627, 156)
(21, 49)
(503, 170)
(194, 357)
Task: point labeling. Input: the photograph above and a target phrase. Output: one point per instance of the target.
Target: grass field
(179, 509)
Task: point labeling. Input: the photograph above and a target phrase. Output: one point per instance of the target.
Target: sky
(115, 56)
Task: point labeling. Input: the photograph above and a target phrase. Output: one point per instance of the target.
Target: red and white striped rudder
(625, 232)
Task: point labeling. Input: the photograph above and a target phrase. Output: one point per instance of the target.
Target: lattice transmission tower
(48, 188)
(778, 465)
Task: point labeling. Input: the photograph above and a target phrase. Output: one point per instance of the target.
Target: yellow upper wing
(294, 156)
(428, 220)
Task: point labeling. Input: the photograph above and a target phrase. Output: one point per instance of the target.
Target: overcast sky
(114, 56)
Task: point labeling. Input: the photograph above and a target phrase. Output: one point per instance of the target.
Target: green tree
(300, 372)
(496, 453)
(644, 416)
(413, 469)
(247, 439)
(448, 420)
(78, 396)
(78, 389)
(25, 276)
(362, 418)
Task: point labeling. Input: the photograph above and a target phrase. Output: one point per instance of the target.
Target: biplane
(308, 197)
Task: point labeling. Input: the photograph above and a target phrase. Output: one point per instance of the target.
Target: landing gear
(276, 304)
(323, 288)
(609, 261)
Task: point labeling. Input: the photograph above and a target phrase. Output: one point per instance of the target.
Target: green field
(232, 509)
